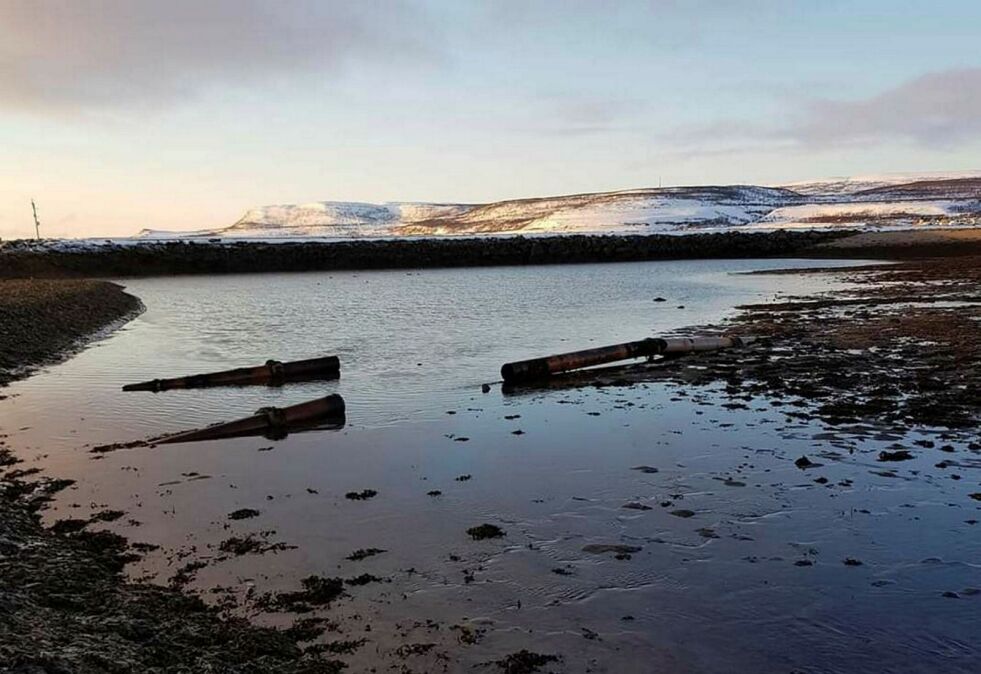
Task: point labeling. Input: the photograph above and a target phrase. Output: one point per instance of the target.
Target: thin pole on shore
(37, 223)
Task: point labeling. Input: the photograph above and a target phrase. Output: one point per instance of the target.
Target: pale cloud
(66, 54)
(934, 111)
(572, 115)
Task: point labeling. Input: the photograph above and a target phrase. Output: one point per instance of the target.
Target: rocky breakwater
(152, 258)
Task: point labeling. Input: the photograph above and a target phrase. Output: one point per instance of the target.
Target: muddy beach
(65, 604)
(809, 503)
(42, 320)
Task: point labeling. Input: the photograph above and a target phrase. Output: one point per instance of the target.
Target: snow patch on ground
(654, 214)
(868, 210)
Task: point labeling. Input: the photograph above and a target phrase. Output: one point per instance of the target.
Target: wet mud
(42, 321)
(901, 347)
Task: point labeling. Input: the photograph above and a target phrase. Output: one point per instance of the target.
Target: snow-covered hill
(843, 187)
(874, 202)
(631, 211)
(337, 219)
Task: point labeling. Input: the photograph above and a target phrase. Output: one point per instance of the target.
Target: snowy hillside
(631, 211)
(337, 219)
(830, 188)
(933, 200)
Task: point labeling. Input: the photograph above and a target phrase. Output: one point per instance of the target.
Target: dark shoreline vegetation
(68, 609)
(24, 258)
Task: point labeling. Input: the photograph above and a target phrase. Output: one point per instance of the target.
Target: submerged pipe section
(539, 368)
(272, 373)
(269, 421)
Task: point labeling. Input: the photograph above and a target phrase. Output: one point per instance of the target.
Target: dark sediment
(20, 259)
(525, 662)
(484, 531)
(66, 608)
(40, 320)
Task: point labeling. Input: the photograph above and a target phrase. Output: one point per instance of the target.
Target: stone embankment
(20, 259)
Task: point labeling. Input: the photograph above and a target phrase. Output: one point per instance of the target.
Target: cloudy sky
(181, 114)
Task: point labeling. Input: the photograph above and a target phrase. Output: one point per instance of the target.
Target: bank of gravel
(20, 259)
(41, 320)
(64, 606)
(910, 244)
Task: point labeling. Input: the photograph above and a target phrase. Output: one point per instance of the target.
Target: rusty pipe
(271, 421)
(539, 368)
(272, 373)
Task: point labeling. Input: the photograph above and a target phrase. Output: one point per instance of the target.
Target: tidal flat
(741, 511)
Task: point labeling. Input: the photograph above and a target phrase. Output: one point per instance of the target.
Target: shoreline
(901, 346)
(76, 574)
(67, 605)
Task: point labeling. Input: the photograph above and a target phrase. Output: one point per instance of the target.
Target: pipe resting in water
(273, 422)
(272, 373)
(540, 368)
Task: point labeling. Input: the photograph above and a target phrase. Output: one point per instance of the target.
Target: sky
(118, 115)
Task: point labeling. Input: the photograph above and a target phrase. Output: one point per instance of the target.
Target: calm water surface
(752, 580)
(410, 343)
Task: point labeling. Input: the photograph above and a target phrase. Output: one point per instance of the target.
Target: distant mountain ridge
(934, 200)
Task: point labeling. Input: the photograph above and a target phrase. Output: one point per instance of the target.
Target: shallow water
(725, 589)
(410, 343)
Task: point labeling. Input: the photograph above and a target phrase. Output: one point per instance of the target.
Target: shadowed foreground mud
(66, 608)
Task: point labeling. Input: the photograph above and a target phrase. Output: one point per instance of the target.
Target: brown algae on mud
(362, 495)
(485, 531)
(364, 553)
(67, 606)
(317, 591)
(524, 662)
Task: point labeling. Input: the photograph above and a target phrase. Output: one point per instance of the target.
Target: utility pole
(37, 223)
